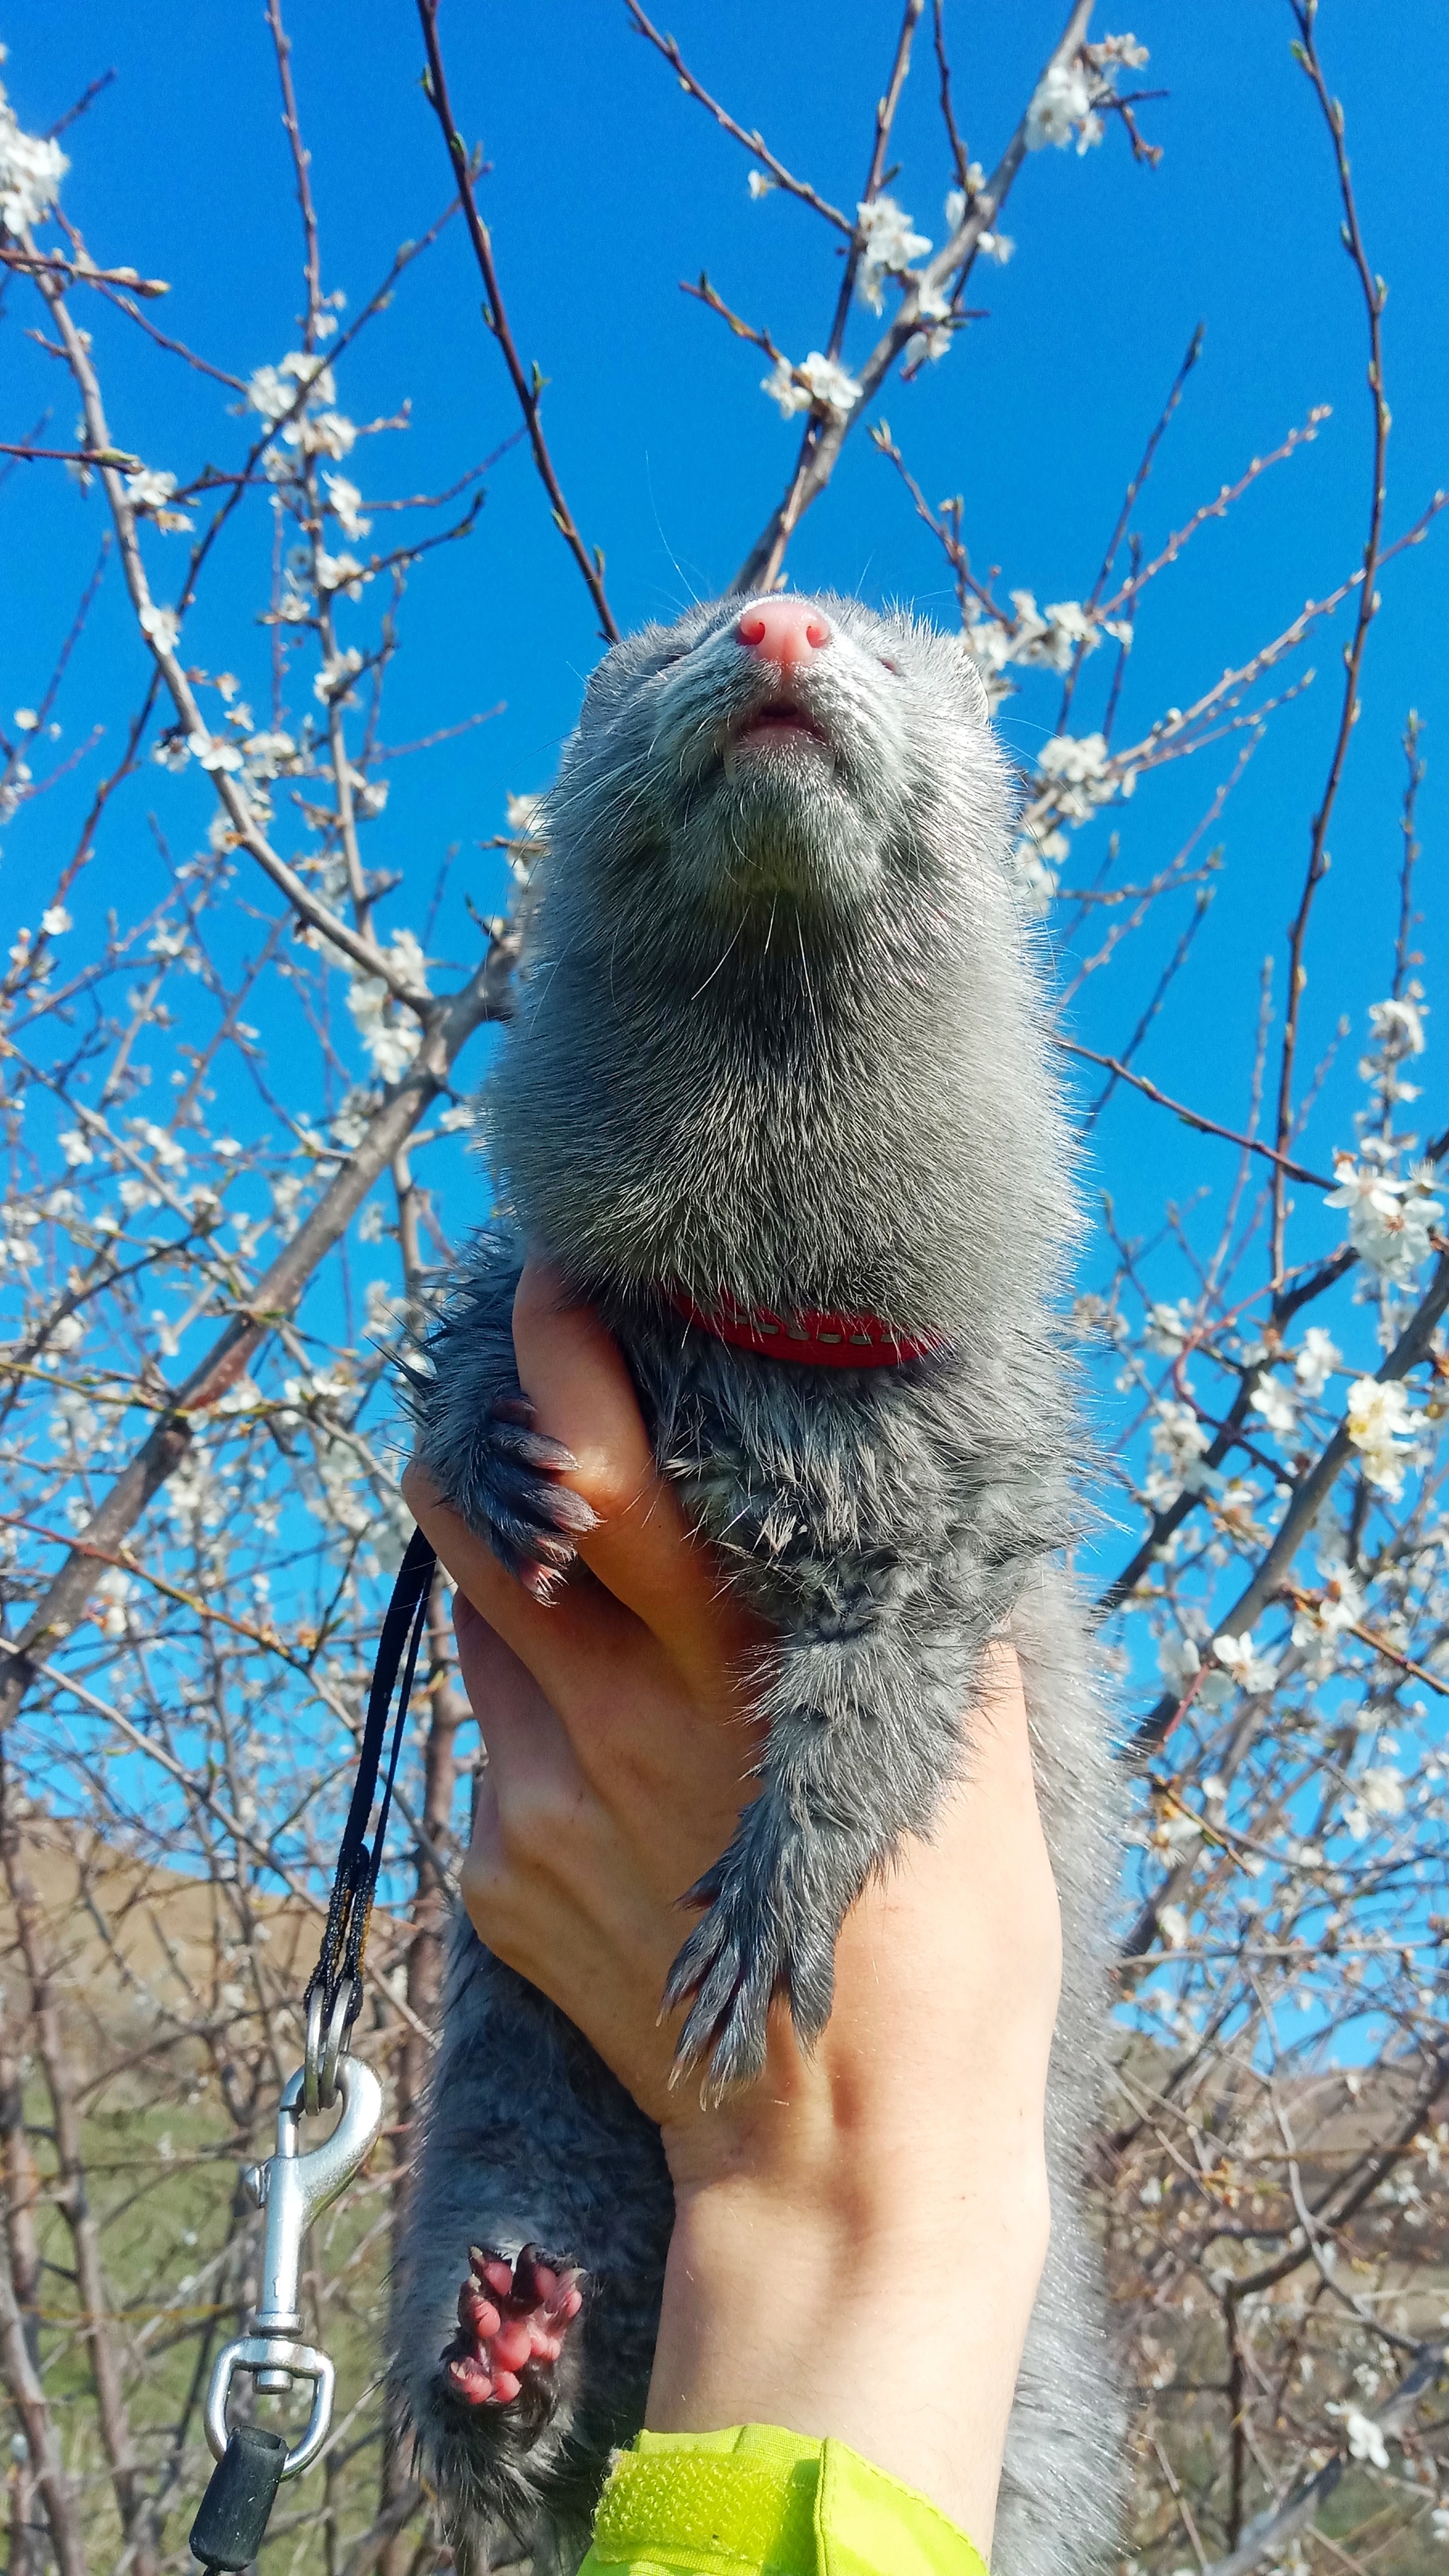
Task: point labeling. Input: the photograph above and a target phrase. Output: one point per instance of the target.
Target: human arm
(860, 2233)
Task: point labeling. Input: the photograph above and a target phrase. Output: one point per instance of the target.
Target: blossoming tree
(205, 1291)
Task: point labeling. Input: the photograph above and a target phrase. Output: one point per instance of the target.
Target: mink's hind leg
(526, 2297)
(477, 1434)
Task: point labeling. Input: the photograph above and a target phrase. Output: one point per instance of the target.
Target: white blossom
(1168, 1328)
(997, 246)
(1243, 1664)
(55, 921)
(1381, 1788)
(76, 1147)
(1318, 1357)
(1398, 1031)
(1063, 101)
(385, 1308)
(341, 572)
(1181, 1442)
(1274, 1401)
(525, 816)
(928, 343)
(888, 246)
(759, 185)
(1398, 1025)
(820, 380)
(1379, 1419)
(25, 720)
(1389, 1221)
(31, 170)
(1120, 49)
(326, 433)
(337, 675)
(113, 1591)
(148, 489)
(170, 1153)
(267, 753)
(1341, 1607)
(1077, 760)
(345, 501)
(390, 1037)
(162, 625)
(1365, 2439)
(273, 390)
(957, 198)
(214, 751)
(1178, 1660)
(1172, 1924)
(1034, 881)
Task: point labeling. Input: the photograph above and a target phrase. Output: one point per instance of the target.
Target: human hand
(860, 2233)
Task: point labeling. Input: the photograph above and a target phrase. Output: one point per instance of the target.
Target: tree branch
(824, 438)
(277, 1294)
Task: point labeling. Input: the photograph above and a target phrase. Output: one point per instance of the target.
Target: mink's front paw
(736, 1959)
(512, 2321)
(515, 1500)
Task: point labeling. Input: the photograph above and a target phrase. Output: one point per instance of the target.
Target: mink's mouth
(776, 726)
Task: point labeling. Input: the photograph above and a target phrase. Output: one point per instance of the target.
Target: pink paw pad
(510, 2316)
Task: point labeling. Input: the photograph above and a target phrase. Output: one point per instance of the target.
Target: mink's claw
(514, 1499)
(517, 1437)
(732, 1965)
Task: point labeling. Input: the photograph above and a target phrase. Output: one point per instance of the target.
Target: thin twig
(301, 174)
(80, 272)
(1129, 504)
(1374, 293)
(959, 153)
(1192, 1117)
(528, 387)
(753, 141)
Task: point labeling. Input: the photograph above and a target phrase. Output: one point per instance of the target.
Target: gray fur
(781, 1039)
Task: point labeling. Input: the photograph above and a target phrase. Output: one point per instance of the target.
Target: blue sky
(606, 187)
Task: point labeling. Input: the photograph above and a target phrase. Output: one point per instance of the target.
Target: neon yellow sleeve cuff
(756, 2501)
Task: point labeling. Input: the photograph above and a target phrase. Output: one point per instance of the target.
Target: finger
(531, 1794)
(672, 1775)
(545, 1881)
(573, 1372)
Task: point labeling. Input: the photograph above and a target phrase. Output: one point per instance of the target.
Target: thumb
(641, 1550)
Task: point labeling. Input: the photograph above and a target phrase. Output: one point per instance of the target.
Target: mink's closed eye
(887, 664)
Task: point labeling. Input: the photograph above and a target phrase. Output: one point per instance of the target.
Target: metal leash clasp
(292, 2188)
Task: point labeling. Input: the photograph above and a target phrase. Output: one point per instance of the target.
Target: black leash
(333, 1995)
(251, 2461)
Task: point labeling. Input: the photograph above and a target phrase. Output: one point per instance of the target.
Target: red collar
(811, 1340)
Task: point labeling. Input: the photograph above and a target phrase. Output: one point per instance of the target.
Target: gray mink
(779, 1050)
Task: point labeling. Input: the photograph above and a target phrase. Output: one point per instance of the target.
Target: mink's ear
(978, 705)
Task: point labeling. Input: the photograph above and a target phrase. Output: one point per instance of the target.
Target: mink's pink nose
(786, 631)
